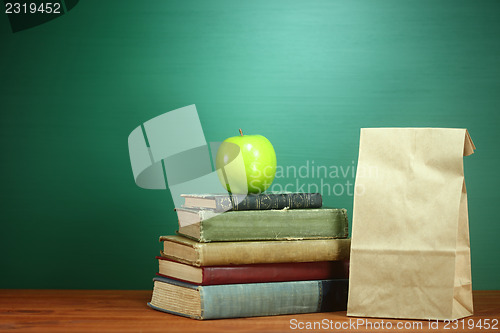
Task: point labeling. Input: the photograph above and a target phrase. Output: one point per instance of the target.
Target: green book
(286, 224)
(249, 299)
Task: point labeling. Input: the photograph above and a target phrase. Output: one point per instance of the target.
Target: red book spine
(280, 272)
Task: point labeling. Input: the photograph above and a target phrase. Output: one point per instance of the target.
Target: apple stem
(241, 132)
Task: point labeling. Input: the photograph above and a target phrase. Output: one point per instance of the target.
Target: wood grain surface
(126, 311)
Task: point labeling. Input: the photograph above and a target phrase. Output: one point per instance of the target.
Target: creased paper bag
(410, 252)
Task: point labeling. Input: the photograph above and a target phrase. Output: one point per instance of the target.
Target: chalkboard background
(305, 74)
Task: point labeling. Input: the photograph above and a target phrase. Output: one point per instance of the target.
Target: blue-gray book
(248, 300)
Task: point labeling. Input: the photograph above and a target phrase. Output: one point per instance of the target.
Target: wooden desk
(126, 311)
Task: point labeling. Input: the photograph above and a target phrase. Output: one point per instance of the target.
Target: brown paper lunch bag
(410, 250)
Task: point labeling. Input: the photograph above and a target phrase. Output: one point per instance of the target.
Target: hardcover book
(253, 273)
(264, 201)
(248, 300)
(188, 251)
(285, 224)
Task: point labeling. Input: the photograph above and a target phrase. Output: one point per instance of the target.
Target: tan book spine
(239, 253)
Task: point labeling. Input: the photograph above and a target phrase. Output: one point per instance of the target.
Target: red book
(254, 273)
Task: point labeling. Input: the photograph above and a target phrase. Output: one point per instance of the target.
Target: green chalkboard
(305, 74)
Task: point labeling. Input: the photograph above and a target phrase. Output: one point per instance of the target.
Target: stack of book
(256, 255)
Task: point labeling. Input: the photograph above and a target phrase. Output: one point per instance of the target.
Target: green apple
(246, 164)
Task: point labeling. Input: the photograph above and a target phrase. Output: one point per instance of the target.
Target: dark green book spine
(284, 224)
(268, 201)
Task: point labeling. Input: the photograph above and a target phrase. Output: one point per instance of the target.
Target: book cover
(248, 300)
(207, 226)
(263, 201)
(188, 251)
(253, 273)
